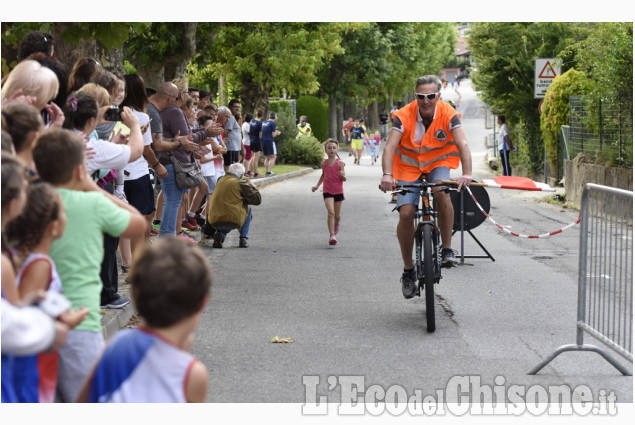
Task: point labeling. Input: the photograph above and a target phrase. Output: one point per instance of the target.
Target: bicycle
(427, 243)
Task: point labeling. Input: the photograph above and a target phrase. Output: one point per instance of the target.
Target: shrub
(555, 109)
(316, 113)
(285, 122)
(303, 151)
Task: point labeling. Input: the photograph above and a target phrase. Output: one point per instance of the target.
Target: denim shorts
(211, 184)
(439, 173)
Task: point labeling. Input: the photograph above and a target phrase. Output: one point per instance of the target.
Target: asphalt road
(343, 306)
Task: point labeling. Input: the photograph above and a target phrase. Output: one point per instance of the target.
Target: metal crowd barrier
(605, 283)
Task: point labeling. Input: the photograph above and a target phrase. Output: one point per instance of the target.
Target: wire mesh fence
(601, 129)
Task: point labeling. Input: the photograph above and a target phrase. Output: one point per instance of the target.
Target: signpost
(545, 70)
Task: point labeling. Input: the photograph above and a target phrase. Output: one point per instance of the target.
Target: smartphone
(113, 114)
(54, 304)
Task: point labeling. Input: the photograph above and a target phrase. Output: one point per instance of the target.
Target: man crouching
(229, 208)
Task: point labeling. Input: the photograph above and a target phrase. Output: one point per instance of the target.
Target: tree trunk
(340, 125)
(176, 63)
(69, 53)
(253, 97)
(333, 121)
(373, 122)
(110, 59)
(152, 77)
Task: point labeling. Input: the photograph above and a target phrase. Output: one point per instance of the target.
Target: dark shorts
(256, 147)
(140, 194)
(268, 148)
(231, 157)
(337, 198)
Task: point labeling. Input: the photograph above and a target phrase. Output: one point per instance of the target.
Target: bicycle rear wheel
(428, 275)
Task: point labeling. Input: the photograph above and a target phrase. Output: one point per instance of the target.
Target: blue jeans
(507, 170)
(172, 197)
(244, 231)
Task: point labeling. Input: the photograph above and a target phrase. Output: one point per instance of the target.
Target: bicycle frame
(426, 214)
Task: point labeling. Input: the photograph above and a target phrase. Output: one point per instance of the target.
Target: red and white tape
(544, 235)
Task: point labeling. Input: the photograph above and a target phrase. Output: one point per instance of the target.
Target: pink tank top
(333, 183)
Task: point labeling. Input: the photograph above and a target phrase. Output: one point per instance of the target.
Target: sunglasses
(429, 96)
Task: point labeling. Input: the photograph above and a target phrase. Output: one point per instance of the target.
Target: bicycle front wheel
(428, 275)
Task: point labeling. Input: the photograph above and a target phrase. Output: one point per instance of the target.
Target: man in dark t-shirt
(255, 127)
(267, 134)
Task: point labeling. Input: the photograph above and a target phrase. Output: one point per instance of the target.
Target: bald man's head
(168, 89)
(165, 96)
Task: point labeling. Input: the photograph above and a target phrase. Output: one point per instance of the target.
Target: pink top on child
(333, 182)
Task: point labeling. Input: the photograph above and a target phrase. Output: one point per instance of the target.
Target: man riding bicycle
(426, 140)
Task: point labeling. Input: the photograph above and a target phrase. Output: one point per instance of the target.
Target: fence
(600, 127)
(605, 282)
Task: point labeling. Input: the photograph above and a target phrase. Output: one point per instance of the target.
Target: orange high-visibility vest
(437, 148)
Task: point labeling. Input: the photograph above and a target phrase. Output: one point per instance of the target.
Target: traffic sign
(540, 106)
(545, 70)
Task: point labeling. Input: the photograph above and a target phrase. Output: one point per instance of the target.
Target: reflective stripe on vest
(411, 161)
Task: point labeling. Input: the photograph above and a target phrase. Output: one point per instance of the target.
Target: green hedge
(284, 123)
(303, 151)
(316, 113)
(555, 109)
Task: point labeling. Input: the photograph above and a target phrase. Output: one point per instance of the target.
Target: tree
(384, 59)
(265, 58)
(505, 54)
(161, 51)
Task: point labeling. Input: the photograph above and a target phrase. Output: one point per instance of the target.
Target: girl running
(333, 176)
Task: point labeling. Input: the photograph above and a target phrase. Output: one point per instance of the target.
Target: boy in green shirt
(59, 158)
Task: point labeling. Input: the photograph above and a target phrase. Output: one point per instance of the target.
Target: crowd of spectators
(82, 154)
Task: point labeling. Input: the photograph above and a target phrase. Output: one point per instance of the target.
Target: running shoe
(448, 258)
(409, 283)
(153, 231)
(257, 176)
(270, 174)
(156, 227)
(120, 302)
(188, 224)
(243, 243)
(332, 240)
(184, 235)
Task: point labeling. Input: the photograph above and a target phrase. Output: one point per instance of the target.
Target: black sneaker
(243, 243)
(447, 258)
(409, 283)
(218, 237)
(270, 174)
(120, 302)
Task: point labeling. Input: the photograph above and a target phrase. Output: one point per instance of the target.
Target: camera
(113, 114)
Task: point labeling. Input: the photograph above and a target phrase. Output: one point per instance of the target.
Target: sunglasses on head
(429, 96)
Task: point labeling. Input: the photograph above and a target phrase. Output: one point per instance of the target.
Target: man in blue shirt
(255, 127)
(268, 145)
